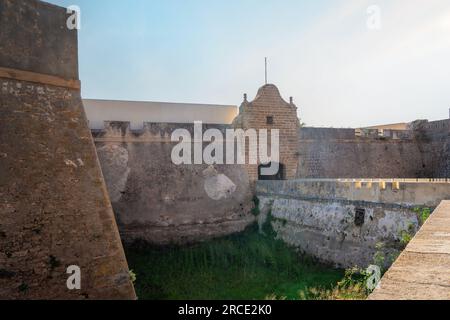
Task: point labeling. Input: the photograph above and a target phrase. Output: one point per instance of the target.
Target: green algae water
(244, 266)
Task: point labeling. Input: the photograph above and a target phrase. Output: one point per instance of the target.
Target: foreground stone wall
(162, 203)
(342, 222)
(54, 208)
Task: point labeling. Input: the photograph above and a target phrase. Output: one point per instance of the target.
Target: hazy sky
(340, 72)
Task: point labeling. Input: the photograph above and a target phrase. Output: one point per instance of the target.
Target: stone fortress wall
(313, 210)
(344, 221)
(163, 203)
(51, 168)
(421, 152)
(319, 211)
(54, 208)
(434, 141)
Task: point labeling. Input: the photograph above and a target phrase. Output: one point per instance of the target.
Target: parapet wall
(163, 203)
(437, 130)
(344, 222)
(309, 133)
(342, 153)
(434, 141)
(54, 208)
(99, 111)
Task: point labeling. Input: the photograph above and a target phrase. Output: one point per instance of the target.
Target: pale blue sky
(321, 52)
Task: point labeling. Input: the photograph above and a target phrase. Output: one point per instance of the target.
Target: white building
(99, 111)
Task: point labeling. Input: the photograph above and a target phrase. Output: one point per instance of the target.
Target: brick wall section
(54, 208)
(253, 115)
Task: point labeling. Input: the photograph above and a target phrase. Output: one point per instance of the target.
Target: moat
(245, 266)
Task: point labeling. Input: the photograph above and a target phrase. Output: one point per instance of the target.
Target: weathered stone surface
(422, 272)
(324, 158)
(409, 194)
(320, 216)
(162, 203)
(339, 153)
(34, 37)
(54, 208)
(217, 185)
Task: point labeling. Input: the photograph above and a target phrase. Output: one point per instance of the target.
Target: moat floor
(245, 266)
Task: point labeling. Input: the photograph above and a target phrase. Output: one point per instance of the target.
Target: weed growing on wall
(423, 214)
(133, 276)
(407, 235)
(256, 211)
(382, 259)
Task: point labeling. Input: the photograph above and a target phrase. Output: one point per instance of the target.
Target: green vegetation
(255, 210)
(244, 266)
(407, 235)
(423, 214)
(352, 287)
(23, 287)
(383, 260)
(133, 277)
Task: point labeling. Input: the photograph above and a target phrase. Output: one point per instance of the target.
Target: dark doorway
(279, 176)
(360, 217)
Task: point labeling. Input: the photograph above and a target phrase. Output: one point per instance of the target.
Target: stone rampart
(54, 208)
(345, 222)
(163, 203)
